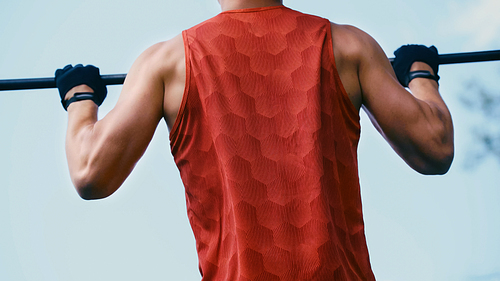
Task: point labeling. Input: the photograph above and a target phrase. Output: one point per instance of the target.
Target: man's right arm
(416, 124)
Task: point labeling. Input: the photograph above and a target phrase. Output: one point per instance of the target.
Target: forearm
(417, 125)
(101, 154)
(82, 145)
(435, 123)
(82, 117)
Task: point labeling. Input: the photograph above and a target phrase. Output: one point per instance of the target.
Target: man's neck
(227, 5)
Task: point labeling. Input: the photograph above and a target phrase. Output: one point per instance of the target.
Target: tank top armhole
(352, 109)
(180, 114)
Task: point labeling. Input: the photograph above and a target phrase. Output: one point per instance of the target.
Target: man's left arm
(102, 153)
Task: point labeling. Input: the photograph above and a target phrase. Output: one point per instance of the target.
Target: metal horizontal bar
(50, 82)
(117, 79)
(467, 57)
(470, 57)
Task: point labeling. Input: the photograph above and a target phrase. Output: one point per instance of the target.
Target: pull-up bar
(117, 79)
(50, 82)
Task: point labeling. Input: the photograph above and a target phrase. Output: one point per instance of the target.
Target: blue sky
(417, 227)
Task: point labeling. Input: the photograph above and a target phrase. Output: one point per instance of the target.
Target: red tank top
(266, 145)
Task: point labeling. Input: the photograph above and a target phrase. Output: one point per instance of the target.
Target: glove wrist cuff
(78, 97)
(421, 74)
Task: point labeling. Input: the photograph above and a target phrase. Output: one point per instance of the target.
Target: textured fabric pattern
(266, 144)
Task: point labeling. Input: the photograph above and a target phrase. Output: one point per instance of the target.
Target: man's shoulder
(167, 47)
(352, 42)
(165, 51)
(163, 58)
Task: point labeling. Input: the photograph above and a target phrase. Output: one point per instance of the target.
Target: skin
(102, 153)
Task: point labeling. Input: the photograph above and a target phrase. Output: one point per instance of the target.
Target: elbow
(89, 192)
(438, 163)
(444, 163)
(440, 167)
(437, 152)
(88, 186)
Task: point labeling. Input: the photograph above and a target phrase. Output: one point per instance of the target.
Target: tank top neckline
(253, 10)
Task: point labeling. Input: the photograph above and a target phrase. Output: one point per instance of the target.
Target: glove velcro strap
(422, 74)
(77, 97)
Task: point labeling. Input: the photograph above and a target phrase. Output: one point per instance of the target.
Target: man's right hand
(81, 78)
(408, 54)
(416, 123)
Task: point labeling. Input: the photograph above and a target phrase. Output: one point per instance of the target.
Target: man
(263, 102)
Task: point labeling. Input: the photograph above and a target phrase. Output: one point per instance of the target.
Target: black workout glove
(71, 76)
(408, 54)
